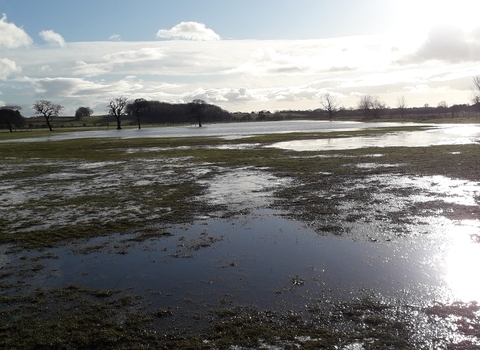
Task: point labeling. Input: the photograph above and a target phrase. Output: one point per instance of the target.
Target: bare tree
(365, 104)
(197, 108)
(442, 104)
(330, 104)
(402, 105)
(117, 108)
(377, 107)
(476, 89)
(48, 109)
(476, 93)
(371, 106)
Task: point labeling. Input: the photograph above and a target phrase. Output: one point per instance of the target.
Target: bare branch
(330, 104)
(48, 109)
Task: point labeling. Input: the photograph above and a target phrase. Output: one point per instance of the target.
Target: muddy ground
(232, 243)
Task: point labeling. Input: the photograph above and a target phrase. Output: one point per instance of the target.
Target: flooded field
(342, 239)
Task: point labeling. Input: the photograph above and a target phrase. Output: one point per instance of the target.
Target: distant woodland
(162, 113)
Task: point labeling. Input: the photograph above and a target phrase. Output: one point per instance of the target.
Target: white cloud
(12, 36)
(421, 88)
(112, 61)
(77, 87)
(8, 67)
(52, 38)
(262, 74)
(189, 31)
(143, 54)
(214, 95)
(268, 61)
(115, 37)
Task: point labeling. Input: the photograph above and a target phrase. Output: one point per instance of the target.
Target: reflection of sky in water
(445, 135)
(254, 257)
(462, 262)
(226, 130)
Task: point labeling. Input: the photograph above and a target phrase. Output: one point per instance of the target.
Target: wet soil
(232, 243)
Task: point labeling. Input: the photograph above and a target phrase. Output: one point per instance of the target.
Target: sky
(246, 55)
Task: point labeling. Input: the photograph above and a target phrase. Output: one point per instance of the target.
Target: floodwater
(261, 257)
(444, 135)
(228, 130)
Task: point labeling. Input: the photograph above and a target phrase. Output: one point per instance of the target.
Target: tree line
(143, 111)
(156, 112)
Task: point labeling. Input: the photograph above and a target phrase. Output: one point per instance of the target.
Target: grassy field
(78, 189)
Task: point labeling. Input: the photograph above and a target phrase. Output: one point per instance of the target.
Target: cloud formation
(240, 74)
(268, 61)
(52, 38)
(111, 61)
(189, 31)
(115, 37)
(11, 36)
(8, 67)
(215, 95)
(448, 44)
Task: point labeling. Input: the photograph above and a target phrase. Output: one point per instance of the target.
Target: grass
(79, 318)
(171, 194)
(158, 184)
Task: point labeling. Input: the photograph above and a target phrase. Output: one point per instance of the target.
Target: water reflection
(444, 135)
(249, 260)
(462, 261)
(227, 130)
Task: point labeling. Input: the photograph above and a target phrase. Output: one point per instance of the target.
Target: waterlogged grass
(80, 318)
(88, 187)
(53, 192)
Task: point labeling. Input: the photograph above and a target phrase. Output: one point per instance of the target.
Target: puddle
(262, 260)
(443, 135)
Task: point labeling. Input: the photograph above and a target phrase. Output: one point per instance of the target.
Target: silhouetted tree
(48, 109)
(262, 115)
(402, 105)
(330, 104)
(197, 110)
(116, 108)
(371, 106)
(364, 105)
(377, 107)
(138, 107)
(476, 89)
(83, 112)
(10, 116)
(442, 105)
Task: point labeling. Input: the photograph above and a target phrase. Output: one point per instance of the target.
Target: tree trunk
(118, 123)
(48, 123)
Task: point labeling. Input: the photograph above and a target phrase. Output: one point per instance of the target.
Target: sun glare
(422, 15)
(462, 261)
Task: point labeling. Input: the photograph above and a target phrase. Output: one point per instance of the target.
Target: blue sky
(241, 55)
